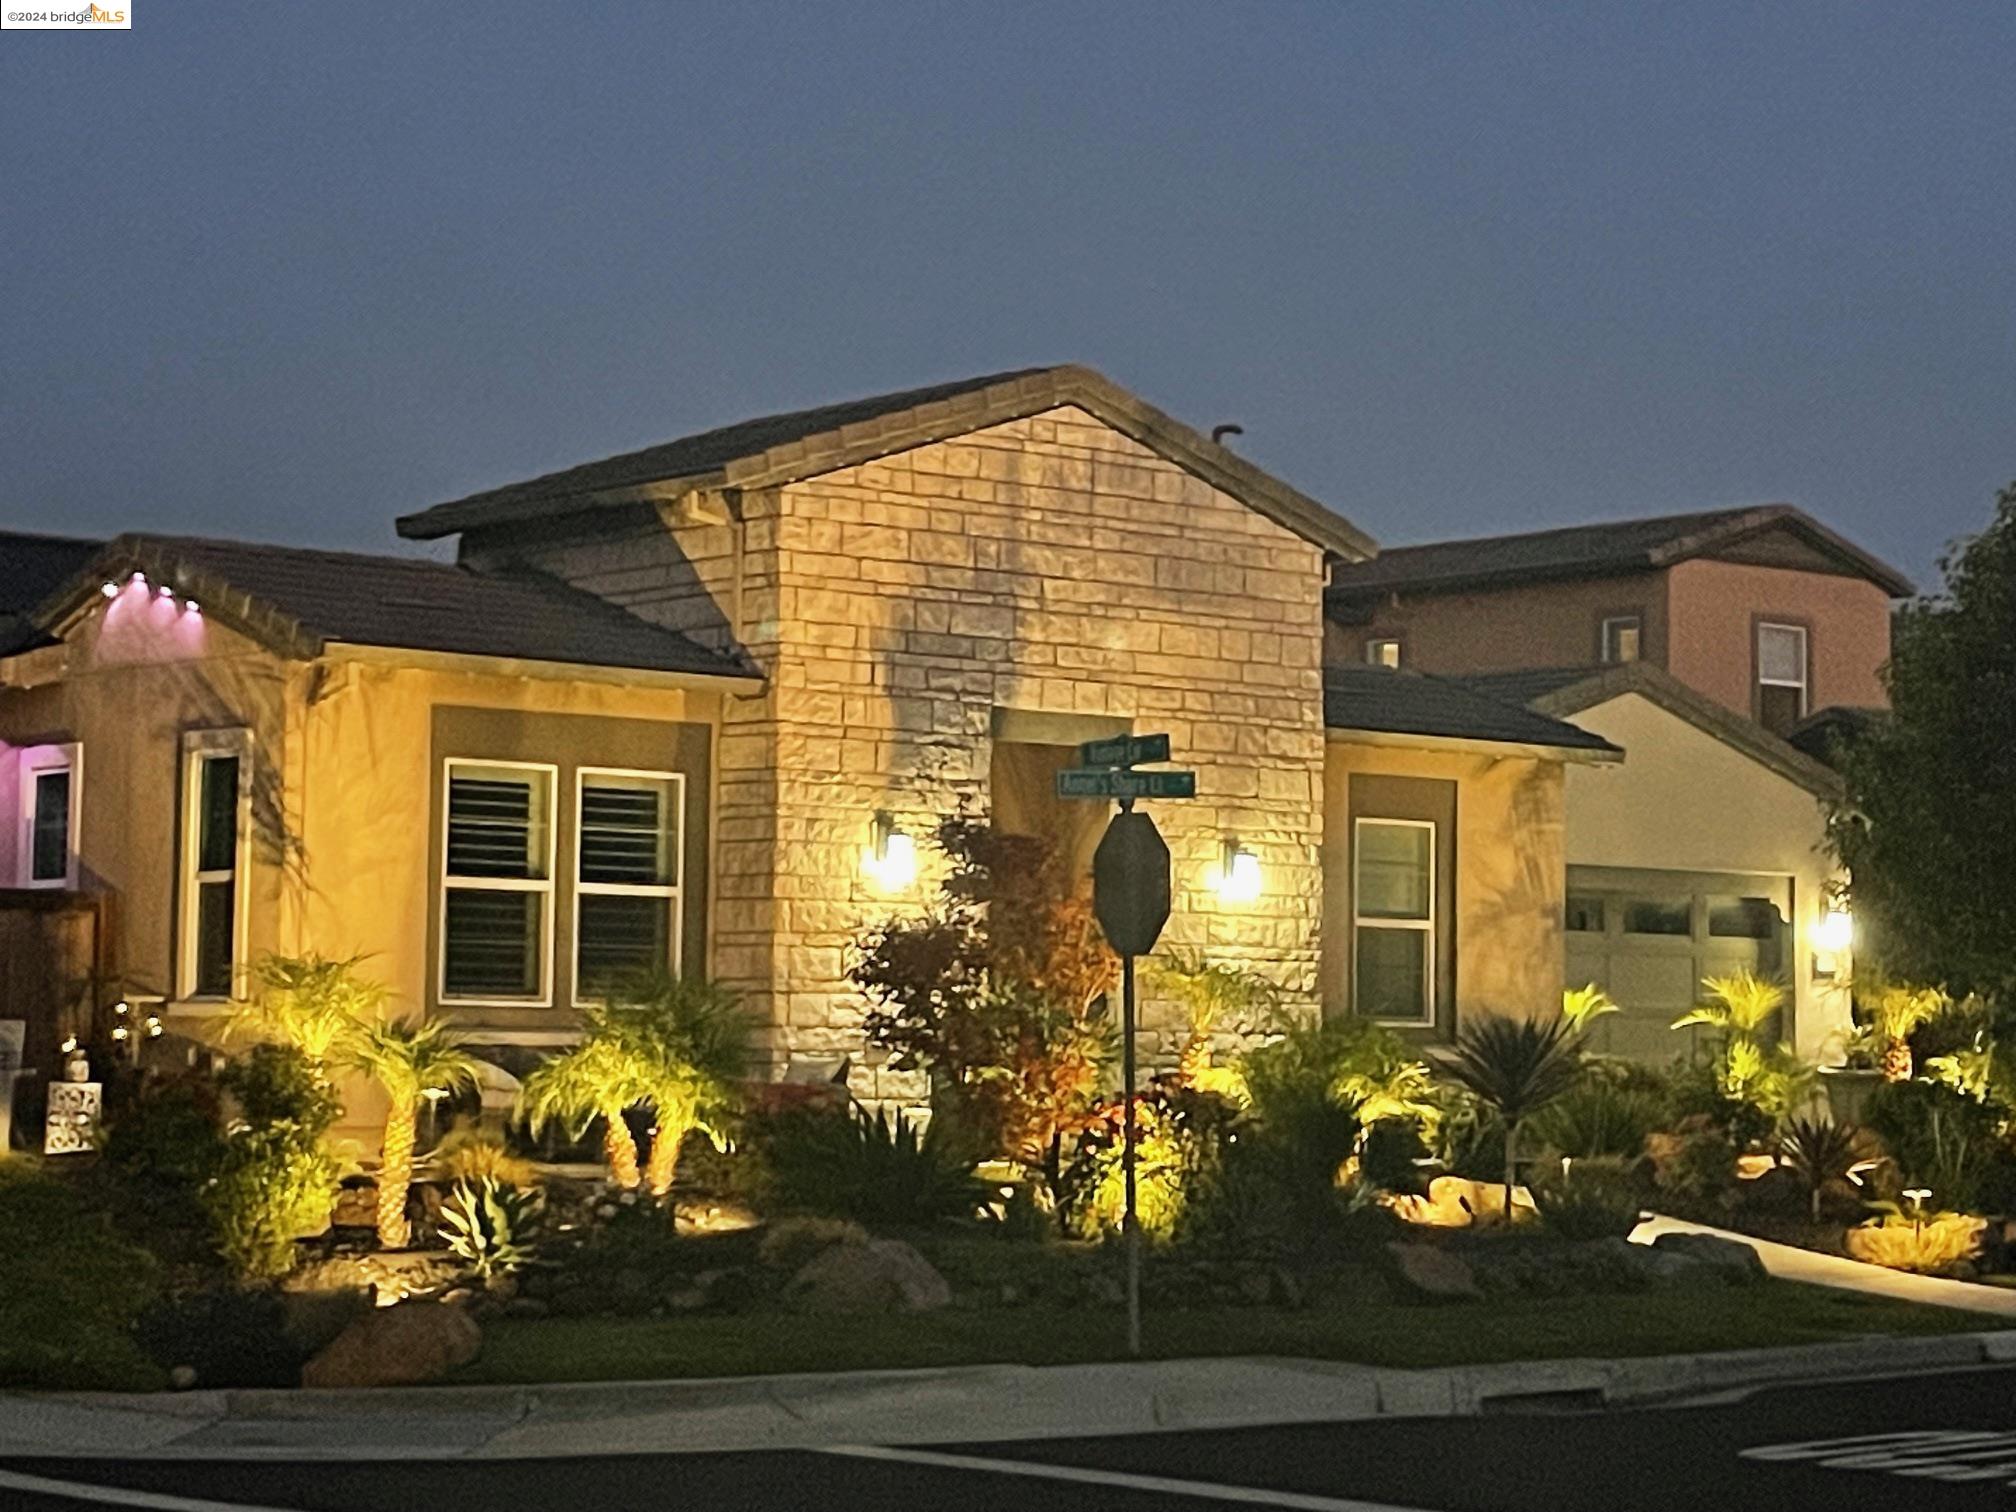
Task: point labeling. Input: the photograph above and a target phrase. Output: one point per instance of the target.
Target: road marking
(1201, 1490)
(119, 1496)
(1925, 1453)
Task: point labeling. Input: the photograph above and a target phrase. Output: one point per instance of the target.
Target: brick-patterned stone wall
(1050, 565)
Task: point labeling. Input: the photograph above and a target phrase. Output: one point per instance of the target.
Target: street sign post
(1130, 896)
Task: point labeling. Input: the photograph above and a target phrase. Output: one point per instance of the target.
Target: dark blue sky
(285, 271)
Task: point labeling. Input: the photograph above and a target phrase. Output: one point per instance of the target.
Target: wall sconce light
(1238, 874)
(891, 862)
(1837, 930)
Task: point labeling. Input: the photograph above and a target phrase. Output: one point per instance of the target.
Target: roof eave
(1600, 755)
(727, 680)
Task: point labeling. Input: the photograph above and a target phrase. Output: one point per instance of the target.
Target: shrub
(1180, 1139)
(159, 1151)
(1944, 1141)
(276, 1084)
(1315, 1091)
(1928, 1247)
(876, 1171)
(228, 1337)
(472, 1154)
(276, 1181)
(69, 1291)
(1597, 1198)
(1598, 1117)
(1694, 1162)
(491, 1227)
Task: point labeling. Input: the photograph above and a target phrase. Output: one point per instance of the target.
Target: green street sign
(1124, 751)
(1077, 782)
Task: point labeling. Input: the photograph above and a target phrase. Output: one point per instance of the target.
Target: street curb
(965, 1404)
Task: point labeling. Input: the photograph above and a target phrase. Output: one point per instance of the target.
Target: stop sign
(1130, 884)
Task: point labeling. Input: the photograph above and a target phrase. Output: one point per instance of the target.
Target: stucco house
(699, 703)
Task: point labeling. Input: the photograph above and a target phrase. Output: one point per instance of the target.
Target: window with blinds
(497, 883)
(1781, 676)
(627, 876)
(216, 765)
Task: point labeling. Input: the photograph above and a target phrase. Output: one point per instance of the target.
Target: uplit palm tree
(1893, 1010)
(317, 1005)
(1740, 1004)
(597, 1078)
(410, 1061)
(689, 1043)
(1516, 1067)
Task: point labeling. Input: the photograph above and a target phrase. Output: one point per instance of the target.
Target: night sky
(284, 271)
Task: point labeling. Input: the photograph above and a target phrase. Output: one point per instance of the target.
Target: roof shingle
(1385, 701)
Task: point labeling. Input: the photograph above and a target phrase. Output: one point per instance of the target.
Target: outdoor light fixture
(1836, 931)
(110, 590)
(1238, 874)
(891, 862)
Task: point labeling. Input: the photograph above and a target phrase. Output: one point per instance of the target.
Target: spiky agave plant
(1516, 1067)
(598, 1078)
(688, 1041)
(1819, 1152)
(409, 1061)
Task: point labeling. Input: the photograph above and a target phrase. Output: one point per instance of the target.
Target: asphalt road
(1926, 1442)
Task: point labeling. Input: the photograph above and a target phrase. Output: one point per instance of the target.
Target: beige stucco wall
(1684, 801)
(1495, 629)
(1715, 607)
(1510, 873)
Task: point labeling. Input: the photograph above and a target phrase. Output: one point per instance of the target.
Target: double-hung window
(1781, 676)
(497, 883)
(216, 814)
(1383, 651)
(51, 786)
(627, 876)
(1393, 900)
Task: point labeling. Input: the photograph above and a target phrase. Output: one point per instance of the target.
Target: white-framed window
(1383, 652)
(1623, 638)
(1781, 675)
(628, 875)
(215, 857)
(497, 882)
(51, 800)
(1393, 928)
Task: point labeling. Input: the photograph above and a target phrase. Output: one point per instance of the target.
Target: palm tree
(410, 1061)
(1516, 1067)
(689, 1043)
(598, 1078)
(1740, 1004)
(1894, 1010)
(315, 1004)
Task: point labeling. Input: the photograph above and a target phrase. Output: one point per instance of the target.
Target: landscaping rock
(356, 1207)
(1432, 1272)
(883, 1275)
(310, 1320)
(1737, 1262)
(1672, 1270)
(397, 1346)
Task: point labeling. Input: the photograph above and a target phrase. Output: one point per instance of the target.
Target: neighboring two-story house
(1696, 642)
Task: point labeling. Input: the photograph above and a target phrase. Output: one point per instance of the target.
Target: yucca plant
(490, 1225)
(1892, 1010)
(1819, 1152)
(410, 1061)
(879, 1170)
(598, 1078)
(688, 1041)
(1516, 1067)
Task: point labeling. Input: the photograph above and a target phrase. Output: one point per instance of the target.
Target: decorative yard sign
(1130, 896)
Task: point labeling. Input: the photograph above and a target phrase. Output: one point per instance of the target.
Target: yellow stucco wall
(1509, 873)
(1684, 801)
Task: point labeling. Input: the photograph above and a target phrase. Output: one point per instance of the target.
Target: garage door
(1649, 937)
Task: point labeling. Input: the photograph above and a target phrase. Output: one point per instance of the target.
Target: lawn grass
(1769, 1313)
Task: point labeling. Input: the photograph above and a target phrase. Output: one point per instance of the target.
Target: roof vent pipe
(1220, 432)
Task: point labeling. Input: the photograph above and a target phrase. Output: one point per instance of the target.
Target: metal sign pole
(1132, 1223)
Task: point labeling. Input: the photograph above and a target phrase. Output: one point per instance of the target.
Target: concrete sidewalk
(1789, 1263)
(960, 1405)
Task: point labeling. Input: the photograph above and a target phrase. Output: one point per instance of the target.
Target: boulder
(882, 1275)
(397, 1346)
(356, 1207)
(312, 1320)
(1737, 1263)
(1429, 1271)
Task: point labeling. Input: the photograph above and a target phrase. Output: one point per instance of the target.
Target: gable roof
(1596, 551)
(31, 568)
(786, 448)
(1563, 692)
(1388, 701)
(299, 601)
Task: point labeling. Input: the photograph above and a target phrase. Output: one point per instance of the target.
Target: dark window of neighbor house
(1733, 918)
(1622, 638)
(1658, 916)
(213, 862)
(49, 827)
(1394, 928)
(1782, 676)
(627, 893)
(1384, 652)
(497, 883)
